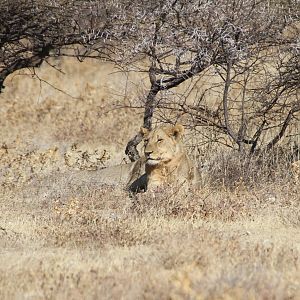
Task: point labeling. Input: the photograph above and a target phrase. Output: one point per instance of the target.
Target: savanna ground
(236, 238)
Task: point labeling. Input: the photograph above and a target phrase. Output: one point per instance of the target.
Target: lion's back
(123, 174)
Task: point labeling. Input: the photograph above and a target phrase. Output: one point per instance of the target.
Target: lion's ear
(177, 131)
(144, 131)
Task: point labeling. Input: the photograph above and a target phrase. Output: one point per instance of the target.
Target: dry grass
(236, 238)
(101, 243)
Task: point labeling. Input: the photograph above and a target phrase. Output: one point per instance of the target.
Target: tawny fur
(166, 159)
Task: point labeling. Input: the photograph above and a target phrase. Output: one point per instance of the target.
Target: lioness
(166, 161)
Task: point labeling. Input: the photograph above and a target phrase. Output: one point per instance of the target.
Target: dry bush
(232, 169)
(221, 203)
(251, 46)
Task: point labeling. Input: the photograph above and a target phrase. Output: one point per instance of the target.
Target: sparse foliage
(251, 47)
(33, 31)
(237, 42)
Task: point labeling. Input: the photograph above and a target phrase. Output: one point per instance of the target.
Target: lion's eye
(146, 142)
(160, 140)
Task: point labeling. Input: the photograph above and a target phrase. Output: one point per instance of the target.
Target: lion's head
(162, 144)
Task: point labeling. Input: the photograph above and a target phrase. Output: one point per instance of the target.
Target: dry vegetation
(236, 238)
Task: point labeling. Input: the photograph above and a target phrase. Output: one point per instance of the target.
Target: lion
(165, 158)
(165, 161)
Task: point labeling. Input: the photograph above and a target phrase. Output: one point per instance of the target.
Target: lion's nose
(148, 153)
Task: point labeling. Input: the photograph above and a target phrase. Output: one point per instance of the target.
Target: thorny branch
(176, 40)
